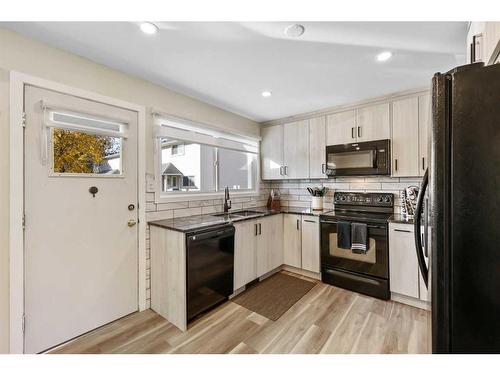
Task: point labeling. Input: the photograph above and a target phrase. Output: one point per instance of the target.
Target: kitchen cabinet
(272, 153)
(292, 240)
(491, 42)
(341, 128)
(405, 137)
(258, 248)
(310, 244)
(403, 263)
(424, 122)
(245, 247)
(373, 123)
(317, 147)
(487, 42)
(296, 149)
(269, 244)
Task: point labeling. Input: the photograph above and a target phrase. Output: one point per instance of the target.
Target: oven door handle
(368, 226)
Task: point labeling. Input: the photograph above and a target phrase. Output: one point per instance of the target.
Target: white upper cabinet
(405, 138)
(272, 152)
(373, 123)
(296, 149)
(317, 147)
(424, 122)
(341, 128)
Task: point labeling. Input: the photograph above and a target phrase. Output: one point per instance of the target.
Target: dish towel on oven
(344, 235)
(359, 238)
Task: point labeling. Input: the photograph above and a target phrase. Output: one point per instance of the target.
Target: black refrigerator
(459, 211)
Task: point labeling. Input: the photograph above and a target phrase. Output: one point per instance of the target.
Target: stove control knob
(380, 199)
(342, 198)
(387, 199)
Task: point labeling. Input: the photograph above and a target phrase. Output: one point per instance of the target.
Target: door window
(76, 152)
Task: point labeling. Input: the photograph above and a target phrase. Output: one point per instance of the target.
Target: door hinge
(24, 221)
(24, 322)
(23, 124)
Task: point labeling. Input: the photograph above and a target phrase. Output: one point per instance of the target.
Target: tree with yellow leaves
(78, 152)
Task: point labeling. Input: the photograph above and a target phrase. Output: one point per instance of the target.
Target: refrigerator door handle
(418, 229)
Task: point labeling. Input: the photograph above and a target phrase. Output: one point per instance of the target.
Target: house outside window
(195, 161)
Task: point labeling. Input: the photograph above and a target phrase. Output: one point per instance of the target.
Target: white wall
(28, 56)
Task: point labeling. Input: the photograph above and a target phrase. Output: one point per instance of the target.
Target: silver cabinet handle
(402, 230)
(286, 170)
(260, 228)
(255, 225)
(359, 131)
(309, 221)
(281, 170)
(323, 168)
(297, 224)
(423, 163)
(396, 164)
(352, 132)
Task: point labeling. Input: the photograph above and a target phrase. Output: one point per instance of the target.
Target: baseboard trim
(411, 301)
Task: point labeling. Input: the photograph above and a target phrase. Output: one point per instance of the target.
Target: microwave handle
(375, 159)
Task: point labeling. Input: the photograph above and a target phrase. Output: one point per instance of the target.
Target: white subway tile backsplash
(172, 205)
(159, 215)
(187, 212)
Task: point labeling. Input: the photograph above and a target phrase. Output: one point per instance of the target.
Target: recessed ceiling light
(149, 28)
(266, 94)
(384, 56)
(294, 31)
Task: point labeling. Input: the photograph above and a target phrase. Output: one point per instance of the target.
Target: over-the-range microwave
(371, 158)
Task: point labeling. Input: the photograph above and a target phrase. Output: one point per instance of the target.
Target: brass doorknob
(131, 222)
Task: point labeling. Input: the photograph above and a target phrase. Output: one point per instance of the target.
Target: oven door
(375, 262)
(358, 159)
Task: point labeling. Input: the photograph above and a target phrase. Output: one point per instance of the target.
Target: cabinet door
(424, 121)
(405, 138)
(310, 244)
(245, 244)
(317, 147)
(292, 240)
(296, 149)
(269, 244)
(403, 264)
(340, 128)
(271, 152)
(373, 123)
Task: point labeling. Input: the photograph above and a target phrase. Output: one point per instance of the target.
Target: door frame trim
(16, 195)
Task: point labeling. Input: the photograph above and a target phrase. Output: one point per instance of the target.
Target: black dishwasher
(210, 268)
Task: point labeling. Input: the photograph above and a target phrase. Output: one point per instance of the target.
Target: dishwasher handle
(216, 233)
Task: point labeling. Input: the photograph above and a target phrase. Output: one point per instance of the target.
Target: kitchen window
(198, 162)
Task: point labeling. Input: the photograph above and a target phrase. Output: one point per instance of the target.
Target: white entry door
(81, 241)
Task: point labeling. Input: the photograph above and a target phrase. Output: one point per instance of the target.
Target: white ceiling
(229, 64)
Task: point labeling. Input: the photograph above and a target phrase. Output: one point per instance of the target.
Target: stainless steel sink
(240, 214)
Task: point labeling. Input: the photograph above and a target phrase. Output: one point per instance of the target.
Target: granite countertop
(191, 223)
(400, 219)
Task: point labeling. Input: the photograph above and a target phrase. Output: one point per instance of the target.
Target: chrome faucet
(227, 200)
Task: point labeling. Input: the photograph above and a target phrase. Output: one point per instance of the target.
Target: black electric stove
(366, 273)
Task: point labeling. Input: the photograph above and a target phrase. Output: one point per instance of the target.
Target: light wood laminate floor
(326, 320)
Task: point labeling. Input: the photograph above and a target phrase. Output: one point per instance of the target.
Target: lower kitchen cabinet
(269, 244)
(405, 278)
(292, 240)
(258, 248)
(403, 264)
(310, 244)
(245, 247)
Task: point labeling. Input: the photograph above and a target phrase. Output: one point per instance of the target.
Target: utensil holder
(317, 203)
